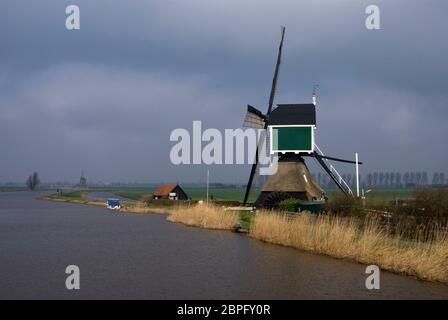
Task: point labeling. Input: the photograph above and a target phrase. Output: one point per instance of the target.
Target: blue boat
(113, 204)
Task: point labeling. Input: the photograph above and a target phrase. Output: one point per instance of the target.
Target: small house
(170, 191)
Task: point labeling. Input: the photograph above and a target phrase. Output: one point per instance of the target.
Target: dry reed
(204, 216)
(140, 207)
(345, 238)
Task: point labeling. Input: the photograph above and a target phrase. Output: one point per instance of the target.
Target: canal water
(142, 256)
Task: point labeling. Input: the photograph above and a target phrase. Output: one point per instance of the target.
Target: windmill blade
(254, 118)
(271, 102)
(253, 170)
(276, 72)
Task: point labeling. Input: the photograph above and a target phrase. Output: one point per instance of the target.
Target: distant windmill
(82, 181)
(290, 132)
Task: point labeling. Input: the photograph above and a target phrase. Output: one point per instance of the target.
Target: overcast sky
(105, 98)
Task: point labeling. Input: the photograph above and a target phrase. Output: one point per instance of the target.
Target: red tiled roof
(164, 190)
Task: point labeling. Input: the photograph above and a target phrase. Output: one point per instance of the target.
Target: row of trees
(390, 180)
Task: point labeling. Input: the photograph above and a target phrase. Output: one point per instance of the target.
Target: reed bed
(204, 216)
(367, 242)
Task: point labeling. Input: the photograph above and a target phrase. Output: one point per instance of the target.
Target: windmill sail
(277, 70)
(254, 118)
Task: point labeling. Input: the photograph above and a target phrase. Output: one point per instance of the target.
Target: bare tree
(398, 178)
(425, 178)
(33, 181)
(369, 179)
(412, 178)
(406, 179)
(381, 178)
(435, 178)
(392, 179)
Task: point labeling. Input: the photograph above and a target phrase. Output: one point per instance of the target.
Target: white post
(208, 178)
(357, 175)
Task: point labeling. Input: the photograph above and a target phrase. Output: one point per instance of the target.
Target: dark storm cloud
(105, 98)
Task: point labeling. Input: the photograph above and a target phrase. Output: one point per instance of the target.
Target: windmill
(290, 133)
(82, 181)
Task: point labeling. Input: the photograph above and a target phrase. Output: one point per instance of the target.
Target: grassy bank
(203, 216)
(220, 194)
(237, 194)
(73, 199)
(80, 197)
(367, 242)
(142, 208)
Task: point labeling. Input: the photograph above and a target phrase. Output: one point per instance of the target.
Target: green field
(222, 194)
(226, 194)
(379, 196)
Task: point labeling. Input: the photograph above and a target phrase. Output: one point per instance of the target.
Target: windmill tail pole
(320, 160)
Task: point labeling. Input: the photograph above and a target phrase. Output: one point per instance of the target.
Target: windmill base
(271, 199)
(292, 180)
